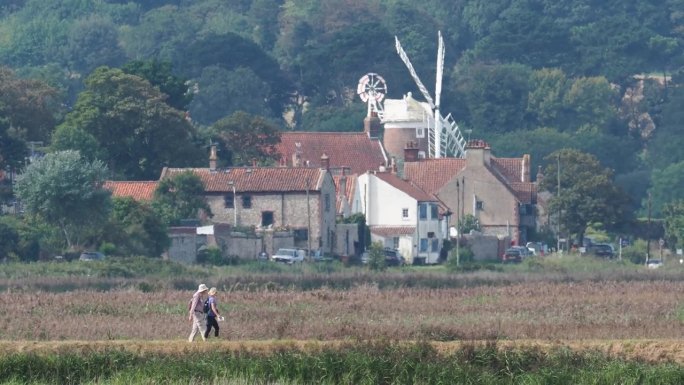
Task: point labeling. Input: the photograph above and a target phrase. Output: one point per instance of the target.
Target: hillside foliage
(126, 82)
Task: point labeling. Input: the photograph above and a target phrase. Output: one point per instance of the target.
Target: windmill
(445, 138)
(372, 89)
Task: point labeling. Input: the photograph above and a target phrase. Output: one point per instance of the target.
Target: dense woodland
(139, 85)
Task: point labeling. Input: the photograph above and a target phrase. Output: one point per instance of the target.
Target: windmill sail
(445, 138)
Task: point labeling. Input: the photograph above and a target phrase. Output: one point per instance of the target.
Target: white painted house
(400, 215)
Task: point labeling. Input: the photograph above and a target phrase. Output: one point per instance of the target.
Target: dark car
(512, 255)
(392, 257)
(602, 250)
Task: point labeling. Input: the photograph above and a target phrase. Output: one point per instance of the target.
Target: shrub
(376, 257)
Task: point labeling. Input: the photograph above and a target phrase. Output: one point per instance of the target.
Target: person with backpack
(213, 315)
(196, 313)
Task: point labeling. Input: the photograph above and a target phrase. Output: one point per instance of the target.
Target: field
(626, 315)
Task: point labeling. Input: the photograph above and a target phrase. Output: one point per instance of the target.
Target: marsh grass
(379, 362)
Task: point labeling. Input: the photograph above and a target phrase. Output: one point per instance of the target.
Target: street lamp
(232, 184)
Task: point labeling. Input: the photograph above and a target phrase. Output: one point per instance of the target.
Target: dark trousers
(211, 322)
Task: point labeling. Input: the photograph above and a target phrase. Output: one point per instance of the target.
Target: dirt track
(652, 351)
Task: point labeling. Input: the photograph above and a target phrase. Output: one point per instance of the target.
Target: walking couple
(198, 306)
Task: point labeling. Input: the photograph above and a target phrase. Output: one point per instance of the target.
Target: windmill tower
(444, 137)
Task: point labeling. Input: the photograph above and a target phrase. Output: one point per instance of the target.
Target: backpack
(207, 306)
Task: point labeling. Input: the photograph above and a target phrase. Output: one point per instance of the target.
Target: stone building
(297, 199)
(496, 191)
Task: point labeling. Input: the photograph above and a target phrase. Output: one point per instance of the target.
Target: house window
(246, 201)
(395, 242)
(434, 211)
(479, 205)
(420, 132)
(435, 245)
(422, 212)
(423, 245)
(301, 235)
(404, 213)
(229, 201)
(421, 154)
(266, 218)
(327, 203)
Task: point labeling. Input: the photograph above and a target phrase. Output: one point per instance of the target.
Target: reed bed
(529, 310)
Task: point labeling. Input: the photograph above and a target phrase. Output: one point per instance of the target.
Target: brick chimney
(325, 162)
(343, 184)
(540, 175)
(525, 172)
(297, 155)
(213, 157)
(478, 153)
(410, 152)
(372, 126)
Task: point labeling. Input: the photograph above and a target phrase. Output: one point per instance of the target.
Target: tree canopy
(65, 190)
(587, 193)
(136, 132)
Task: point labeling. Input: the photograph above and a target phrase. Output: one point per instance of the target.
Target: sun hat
(212, 291)
(202, 287)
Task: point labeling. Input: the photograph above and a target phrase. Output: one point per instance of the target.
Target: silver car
(288, 255)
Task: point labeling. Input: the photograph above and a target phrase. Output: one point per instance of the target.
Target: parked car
(524, 251)
(603, 250)
(91, 256)
(654, 263)
(392, 257)
(262, 256)
(512, 255)
(288, 256)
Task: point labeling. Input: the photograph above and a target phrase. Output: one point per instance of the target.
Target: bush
(211, 256)
(465, 260)
(376, 257)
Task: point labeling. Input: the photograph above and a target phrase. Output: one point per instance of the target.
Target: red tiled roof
(348, 194)
(258, 179)
(405, 186)
(510, 168)
(140, 191)
(392, 231)
(432, 174)
(344, 149)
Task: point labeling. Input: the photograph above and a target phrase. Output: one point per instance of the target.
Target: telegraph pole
(458, 222)
(558, 190)
(648, 230)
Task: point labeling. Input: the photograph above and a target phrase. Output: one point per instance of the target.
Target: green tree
(29, 106)
(65, 190)
(667, 186)
(587, 192)
(667, 145)
(592, 103)
(92, 42)
(247, 138)
(136, 132)
(135, 229)
(9, 240)
(160, 73)
(221, 92)
(545, 100)
(180, 197)
(673, 214)
(496, 96)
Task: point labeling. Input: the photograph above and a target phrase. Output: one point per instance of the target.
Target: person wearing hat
(212, 315)
(196, 314)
